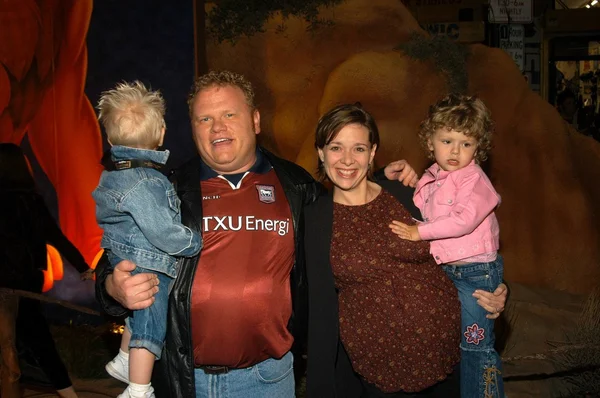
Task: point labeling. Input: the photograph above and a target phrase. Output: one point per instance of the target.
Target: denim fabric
(138, 209)
(148, 327)
(269, 378)
(480, 364)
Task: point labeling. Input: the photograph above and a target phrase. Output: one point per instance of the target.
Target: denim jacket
(138, 209)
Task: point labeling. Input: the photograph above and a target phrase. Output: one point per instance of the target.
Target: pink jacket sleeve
(475, 200)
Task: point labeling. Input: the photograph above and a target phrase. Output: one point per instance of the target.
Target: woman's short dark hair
(336, 119)
(15, 174)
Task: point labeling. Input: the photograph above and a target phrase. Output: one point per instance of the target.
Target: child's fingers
(397, 228)
(401, 232)
(395, 231)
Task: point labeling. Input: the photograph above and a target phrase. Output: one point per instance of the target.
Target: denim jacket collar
(119, 152)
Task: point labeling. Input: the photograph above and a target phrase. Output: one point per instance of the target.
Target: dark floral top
(399, 314)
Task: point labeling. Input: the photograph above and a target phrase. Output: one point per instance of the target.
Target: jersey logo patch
(266, 193)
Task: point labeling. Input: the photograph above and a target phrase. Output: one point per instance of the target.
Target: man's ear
(256, 121)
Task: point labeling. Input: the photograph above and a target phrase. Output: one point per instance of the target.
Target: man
(236, 309)
(566, 103)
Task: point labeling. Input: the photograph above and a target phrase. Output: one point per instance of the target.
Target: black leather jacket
(174, 373)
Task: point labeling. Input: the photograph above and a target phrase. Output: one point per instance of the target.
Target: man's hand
(134, 292)
(400, 170)
(404, 231)
(492, 302)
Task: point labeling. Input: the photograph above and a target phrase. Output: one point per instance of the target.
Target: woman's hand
(404, 231)
(492, 302)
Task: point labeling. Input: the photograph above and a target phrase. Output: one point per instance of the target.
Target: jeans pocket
(480, 279)
(274, 370)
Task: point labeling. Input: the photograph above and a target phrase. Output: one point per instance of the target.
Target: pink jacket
(458, 212)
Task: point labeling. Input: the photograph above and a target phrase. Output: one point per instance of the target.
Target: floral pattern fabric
(399, 312)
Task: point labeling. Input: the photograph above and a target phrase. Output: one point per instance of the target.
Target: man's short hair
(462, 113)
(132, 115)
(222, 79)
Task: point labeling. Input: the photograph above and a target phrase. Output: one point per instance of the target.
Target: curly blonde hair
(462, 113)
(222, 78)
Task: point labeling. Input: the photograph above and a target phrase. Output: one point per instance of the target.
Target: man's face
(225, 129)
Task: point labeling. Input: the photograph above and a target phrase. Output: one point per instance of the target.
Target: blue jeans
(269, 378)
(480, 364)
(148, 327)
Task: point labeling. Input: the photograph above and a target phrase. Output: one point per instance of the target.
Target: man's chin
(229, 165)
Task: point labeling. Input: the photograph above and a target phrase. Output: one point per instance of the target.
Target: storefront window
(574, 73)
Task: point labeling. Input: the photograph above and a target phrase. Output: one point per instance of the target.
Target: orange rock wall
(545, 172)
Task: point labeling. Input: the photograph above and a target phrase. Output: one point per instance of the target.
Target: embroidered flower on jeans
(474, 334)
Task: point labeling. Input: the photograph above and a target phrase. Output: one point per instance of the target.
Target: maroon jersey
(241, 300)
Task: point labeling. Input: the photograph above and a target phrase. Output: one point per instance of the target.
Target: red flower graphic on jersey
(474, 334)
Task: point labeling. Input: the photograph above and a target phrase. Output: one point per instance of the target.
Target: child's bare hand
(404, 231)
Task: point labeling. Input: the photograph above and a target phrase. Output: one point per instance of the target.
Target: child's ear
(429, 144)
(162, 136)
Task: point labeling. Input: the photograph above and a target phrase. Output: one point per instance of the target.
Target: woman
(384, 320)
(25, 228)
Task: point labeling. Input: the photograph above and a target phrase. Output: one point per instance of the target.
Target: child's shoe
(119, 367)
(131, 393)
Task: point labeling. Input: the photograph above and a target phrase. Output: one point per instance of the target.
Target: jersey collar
(260, 166)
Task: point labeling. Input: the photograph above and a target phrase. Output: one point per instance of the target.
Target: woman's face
(347, 157)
